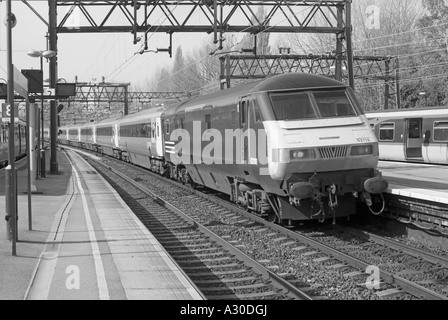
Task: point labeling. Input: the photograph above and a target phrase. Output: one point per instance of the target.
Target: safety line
(99, 268)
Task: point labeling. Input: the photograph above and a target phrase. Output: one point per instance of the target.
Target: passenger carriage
(419, 135)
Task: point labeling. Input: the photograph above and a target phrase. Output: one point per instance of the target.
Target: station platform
(416, 180)
(417, 193)
(85, 244)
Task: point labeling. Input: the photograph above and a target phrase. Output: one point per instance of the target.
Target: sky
(89, 56)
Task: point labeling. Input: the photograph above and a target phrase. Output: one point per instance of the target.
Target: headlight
(302, 154)
(286, 155)
(362, 150)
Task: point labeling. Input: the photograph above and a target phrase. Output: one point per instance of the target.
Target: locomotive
(412, 135)
(289, 147)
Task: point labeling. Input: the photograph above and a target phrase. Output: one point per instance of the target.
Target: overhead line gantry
(217, 17)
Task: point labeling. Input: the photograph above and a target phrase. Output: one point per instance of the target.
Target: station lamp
(42, 54)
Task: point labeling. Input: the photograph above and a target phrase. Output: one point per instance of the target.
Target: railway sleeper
(199, 256)
(217, 281)
(179, 236)
(197, 241)
(171, 234)
(235, 288)
(187, 250)
(205, 267)
(190, 260)
(244, 296)
(155, 230)
(210, 273)
(189, 245)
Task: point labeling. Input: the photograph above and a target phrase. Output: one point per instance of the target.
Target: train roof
(106, 122)
(145, 114)
(281, 82)
(406, 113)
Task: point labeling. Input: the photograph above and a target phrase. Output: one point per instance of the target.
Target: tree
(248, 40)
(179, 80)
(434, 64)
(164, 82)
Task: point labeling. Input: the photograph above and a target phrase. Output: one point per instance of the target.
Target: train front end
(322, 151)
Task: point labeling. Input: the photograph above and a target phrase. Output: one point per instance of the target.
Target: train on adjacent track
(19, 142)
(288, 147)
(412, 135)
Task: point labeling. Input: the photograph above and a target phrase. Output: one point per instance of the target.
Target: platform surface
(85, 244)
(415, 180)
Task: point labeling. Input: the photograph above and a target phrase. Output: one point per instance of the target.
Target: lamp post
(40, 139)
(10, 195)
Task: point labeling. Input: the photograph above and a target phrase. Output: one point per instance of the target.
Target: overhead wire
(373, 48)
(230, 48)
(134, 56)
(130, 59)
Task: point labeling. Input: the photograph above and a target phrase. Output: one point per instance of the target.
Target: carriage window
(292, 106)
(387, 131)
(106, 131)
(415, 128)
(440, 130)
(334, 104)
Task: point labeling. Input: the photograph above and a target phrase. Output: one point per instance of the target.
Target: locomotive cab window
(167, 126)
(387, 131)
(292, 106)
(243, 113)
(440, 130)
(334, 104)
(208, 122)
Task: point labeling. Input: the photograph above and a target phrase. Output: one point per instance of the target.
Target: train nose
(375, 185)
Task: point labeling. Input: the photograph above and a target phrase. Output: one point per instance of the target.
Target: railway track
(312, 251)
(217, 268)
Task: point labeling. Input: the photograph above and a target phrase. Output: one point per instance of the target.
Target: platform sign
(35, 80)
(65, 90)
(20, 83)
(3, 90)
(6, 112)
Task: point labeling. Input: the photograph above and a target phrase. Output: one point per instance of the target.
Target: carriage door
(244, 125)
(414, 138)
